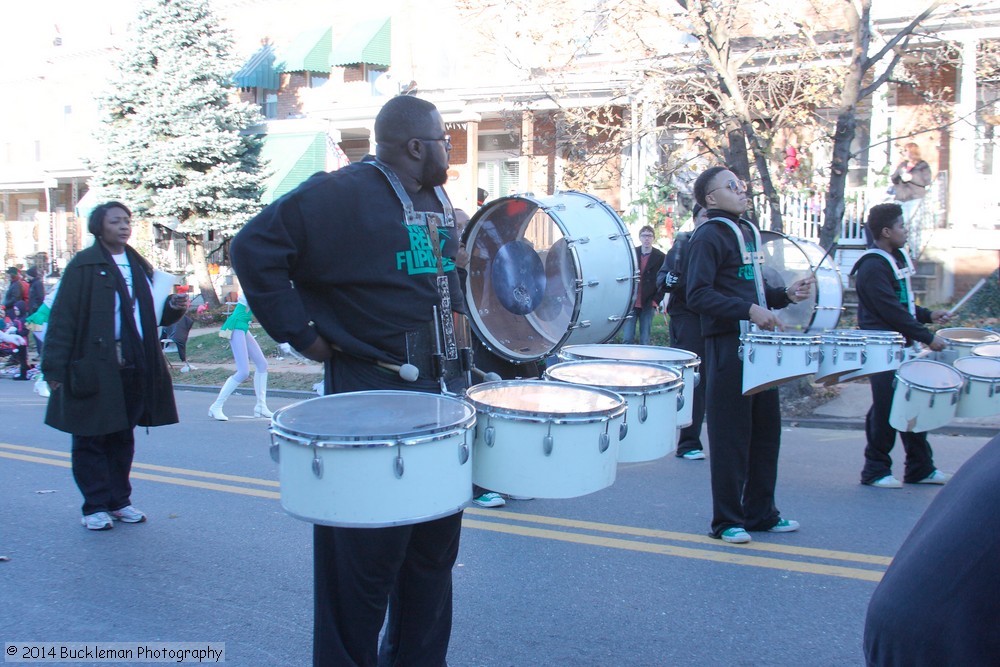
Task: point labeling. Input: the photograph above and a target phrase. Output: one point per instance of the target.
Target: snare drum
(546, 272)
(925, 395)
(372, 459)
(684, 362)
(787, 259)
(980, 396)
(652, 394)
(961, 340)
(545, 439)
(773, 358)
(987, 350)
(883, 352)
(841, 352)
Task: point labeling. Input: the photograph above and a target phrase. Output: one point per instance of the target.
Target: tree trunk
(766, 184)
(196, 251)
(842, 138)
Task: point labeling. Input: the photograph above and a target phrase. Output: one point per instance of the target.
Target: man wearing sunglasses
(744, 432)
(349, 268)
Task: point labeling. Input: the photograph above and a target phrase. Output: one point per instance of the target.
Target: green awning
(292, 158)
(310, 52)
(259, 71)
(367, 42)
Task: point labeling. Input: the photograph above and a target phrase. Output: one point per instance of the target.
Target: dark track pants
(882, 437)
(685, 333)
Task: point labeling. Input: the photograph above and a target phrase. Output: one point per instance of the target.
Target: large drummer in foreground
(346, 274)
(885, 302)
(725, 287)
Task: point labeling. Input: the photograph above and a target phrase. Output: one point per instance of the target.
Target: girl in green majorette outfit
(245, 347)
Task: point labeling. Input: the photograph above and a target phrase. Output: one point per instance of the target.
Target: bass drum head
(525, 286)
(787, 259)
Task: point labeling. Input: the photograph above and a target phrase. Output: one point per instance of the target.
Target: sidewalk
(848, 410)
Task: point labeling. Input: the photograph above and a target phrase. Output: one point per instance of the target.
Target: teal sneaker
(784, 526)
(489, 499)
(735, 535)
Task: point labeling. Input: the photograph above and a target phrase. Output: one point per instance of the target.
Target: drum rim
(692, 361)
(933, 390)
(553, 417)
(878, 336)
(631, 390)
(380, 440)
(983, 378)
(381, 524)
(968, 343)
(781, 338)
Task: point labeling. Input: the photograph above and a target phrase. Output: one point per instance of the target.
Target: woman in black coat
(104, 365)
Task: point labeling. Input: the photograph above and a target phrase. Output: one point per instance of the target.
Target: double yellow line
(788, 558)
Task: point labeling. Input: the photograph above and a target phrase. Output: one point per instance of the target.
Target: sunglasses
(734, 185)
(446, 139)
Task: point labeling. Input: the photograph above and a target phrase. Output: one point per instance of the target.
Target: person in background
(36, 290)
(885, 303)
(104, 366)
(245, 348)
(648, 260)
(685, 330)
(910, 181)
(16, 326)
(15, 289)
(38, 324)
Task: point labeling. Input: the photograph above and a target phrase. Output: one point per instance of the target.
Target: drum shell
(578, 234)
(517, 463)
(646, 439)
(771, 359)
(684, 362)
(884, 351)
(359, 486)
(918, 405)
(961, 341)
(840, 354)
(980, 396)
(793, 259)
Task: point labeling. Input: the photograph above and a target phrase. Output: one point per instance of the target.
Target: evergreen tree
(174, 142)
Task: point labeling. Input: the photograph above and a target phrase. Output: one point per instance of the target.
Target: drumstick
(822, 259)
(968, 295)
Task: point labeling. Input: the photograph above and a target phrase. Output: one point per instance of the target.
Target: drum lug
(622, 431)
(864, 357)
(317, 465)
(580, 325)
(397, 465)
(490, 435)
(623, 279)
(275, 450)
(581, 240)
(643, 413)
(615, 318)
(777, 355)
(547, 444)
(680, 401)
(603, 442)
(463, 450)
(697, 379)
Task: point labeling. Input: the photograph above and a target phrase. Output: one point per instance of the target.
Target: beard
(434, 173)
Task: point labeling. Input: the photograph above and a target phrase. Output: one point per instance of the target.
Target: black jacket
(882, 300)
(648, 290)
(676, 263)
(720, 287)
(36, 294)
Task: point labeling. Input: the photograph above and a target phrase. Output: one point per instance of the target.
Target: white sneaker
(490, 499)
(694, 455)
(128, 514)
(97, 521)
(936, 477)
(888, 482)
(42, 388)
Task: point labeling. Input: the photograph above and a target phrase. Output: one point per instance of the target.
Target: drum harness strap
(754, 259)
(445, 341)
(902, 274)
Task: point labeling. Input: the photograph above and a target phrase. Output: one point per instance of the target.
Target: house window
(318, 80)
(371, 75)
(500, 177)
(271, 105)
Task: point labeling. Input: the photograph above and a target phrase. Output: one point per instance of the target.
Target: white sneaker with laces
(936, 477)
(694, 455)
(887, 482)
(489, 499)
(97, 521)
(128, 514)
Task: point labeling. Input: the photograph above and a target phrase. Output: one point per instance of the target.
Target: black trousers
(744, 434)
(361, 574)
(101, 467)
(685, 333)
(882, 437)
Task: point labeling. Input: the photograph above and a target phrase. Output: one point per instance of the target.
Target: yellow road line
(683, 552)
(632, 545)
(150, 466)
(683, 537)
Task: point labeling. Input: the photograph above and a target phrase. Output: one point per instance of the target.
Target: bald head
(403, 118)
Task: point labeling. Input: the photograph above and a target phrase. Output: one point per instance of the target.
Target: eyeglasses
(645, 236)
(734, 185)
(446, 139)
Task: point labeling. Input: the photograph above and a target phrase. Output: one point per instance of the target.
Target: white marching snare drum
(883, 351)
(925, 396)
(684, 362)
(980, 396)
(652, 394)
(548, 271)
(787, 259)
(545, 439)
(372, 459)
(841, 352)
(987, 350)
(773, 358)
(961, 341)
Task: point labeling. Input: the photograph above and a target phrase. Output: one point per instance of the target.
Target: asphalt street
(625, 576)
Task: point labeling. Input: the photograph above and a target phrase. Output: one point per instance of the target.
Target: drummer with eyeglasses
(885, 303)
(355, 268)
(726, 288)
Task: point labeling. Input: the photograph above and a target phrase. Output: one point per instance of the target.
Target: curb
(247, 391)
(859, 425)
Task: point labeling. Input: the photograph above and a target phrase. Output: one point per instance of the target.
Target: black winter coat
(81, 336)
